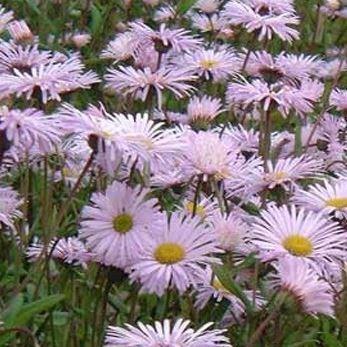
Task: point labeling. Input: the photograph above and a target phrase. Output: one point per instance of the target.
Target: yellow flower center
(199, 210)
(123, 223)
(169, 253)
(298, 245)
(208, 64)
(337, 202)
(216, 284)
(280, 175)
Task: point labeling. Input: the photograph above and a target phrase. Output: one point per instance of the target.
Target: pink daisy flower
(20, 31)
(121, 48)
(217, 64)
(285, 65)
(338, 99)
(165, 39)
(175, 257)
(51, 79)
(9, 206)
(138, 83)
(301, 99)
(69, 250)
(30, 127)
(207, 6)
(5, 18)
(163, 334)
(285, 172)
(257, 16)
(165, 14)
(23, 58)
(203, 110)
(295, 233)
(330, 198)
(230, 230)
(312, 294)
(115, 222)
(208, 23)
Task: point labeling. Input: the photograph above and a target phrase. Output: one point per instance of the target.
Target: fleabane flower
(338, 99)
(146, 139)
(285, 172)
(5, 18)
(165, 334)
(121, 48)
(51, 79)
(176, 256)
(207, 6)
(215, 63)
(230, 230)
(165, 39)
(15, 56)
(299, 281)
(330, 198)
(202, 111)
(296, 233)
(30, 127)
(300, 98)
(10, 203)
(69, 250)
(139, 82)
(263, 18)
(115, 222)
(281, 67)
(20, 31)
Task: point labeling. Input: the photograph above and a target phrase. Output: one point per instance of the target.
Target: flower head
(165, 335)
(9, 206)
(312, 294)
(289, 232)
(176, 256)
(115, 222)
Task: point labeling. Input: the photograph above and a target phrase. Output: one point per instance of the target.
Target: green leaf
(223, 274)
(9, 315)
(96, 21)
(331, 340)
(28, 311)
(184, 5)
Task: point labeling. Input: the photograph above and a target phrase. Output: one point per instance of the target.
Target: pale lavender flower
(216, 64)
(338, 99)
(312, 294)
(122, 47)
(230, 230)
(138, 83)
(208, 23)
(207, 6)
(69, 250)
(51, 79)
(301, 99)
(175, 257)
(23, 58)
(146, 140)
(273, 68)
(9, 206)
(165, 14)
(165, 335)
(262, 19)
(115, 223)
(165, 39)
(296, 233)
(20, 31)
(203, 109)
(246, 140)
(30, 127)
(330, 198)
(5, 18)
(285, 172)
